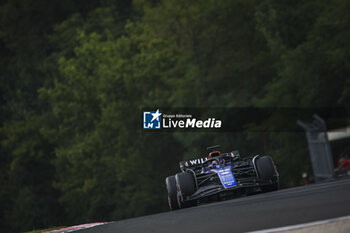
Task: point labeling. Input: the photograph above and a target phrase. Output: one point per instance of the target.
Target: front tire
(265, 168)
(172, 193)
(186, 186)
(266, 171)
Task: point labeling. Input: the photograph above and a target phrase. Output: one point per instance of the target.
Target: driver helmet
(214, 163)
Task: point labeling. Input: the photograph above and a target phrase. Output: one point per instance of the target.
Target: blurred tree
(31, 199)
(312, 69)
(78, 152)
(28, 61)
(104, 161)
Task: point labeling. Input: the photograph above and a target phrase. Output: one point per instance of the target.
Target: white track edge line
(303, 225)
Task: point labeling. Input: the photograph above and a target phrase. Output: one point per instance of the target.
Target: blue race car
(220, 176)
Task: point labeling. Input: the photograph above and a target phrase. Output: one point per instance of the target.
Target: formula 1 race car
(220, 176)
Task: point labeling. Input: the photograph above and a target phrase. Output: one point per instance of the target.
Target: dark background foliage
(75, 76)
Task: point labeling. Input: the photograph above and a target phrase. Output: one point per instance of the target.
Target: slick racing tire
(265, 168)
(186, 186)
(172, 192)
(266, 171)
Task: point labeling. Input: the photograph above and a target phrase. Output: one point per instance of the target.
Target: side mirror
(235, 154)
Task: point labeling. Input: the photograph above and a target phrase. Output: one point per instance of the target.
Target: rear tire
(186, 186)
(172, 193)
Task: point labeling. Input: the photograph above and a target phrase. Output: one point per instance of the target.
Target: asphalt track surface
(263, 211)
